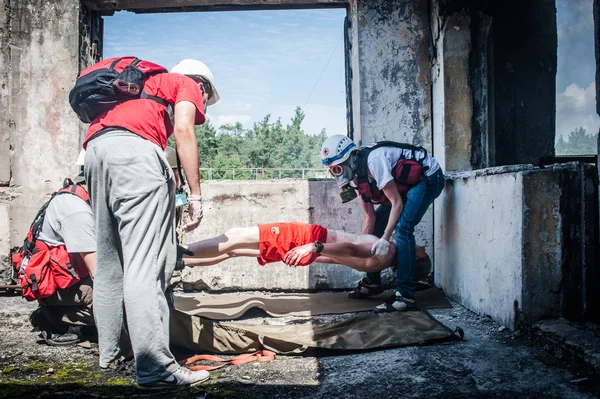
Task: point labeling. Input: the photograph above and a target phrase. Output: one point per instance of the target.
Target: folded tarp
(361, 332)
(232, 306)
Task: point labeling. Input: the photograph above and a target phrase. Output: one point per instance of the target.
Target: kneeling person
(64, 228)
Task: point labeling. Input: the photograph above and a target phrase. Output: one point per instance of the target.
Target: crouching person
(56, 265)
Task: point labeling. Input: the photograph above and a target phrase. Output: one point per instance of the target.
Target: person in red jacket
(132, 190)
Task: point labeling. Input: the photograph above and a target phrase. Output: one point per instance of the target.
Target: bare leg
(233, 239)
(194, 261)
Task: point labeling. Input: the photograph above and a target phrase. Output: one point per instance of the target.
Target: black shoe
(365, 290)
(59, 339)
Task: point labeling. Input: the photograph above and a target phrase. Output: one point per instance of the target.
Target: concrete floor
(488, 363)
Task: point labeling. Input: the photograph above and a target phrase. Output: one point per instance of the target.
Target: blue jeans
(418, 200)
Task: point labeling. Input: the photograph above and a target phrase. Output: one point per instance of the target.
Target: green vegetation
(268, 144)
(578, 143)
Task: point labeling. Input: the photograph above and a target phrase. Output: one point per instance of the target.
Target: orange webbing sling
(259, 356)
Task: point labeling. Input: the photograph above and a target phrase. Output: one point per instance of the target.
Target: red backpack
(407, 172)
(40, 268)
(110, 82)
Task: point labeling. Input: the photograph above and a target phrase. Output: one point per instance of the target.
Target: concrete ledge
(518, 242)
(580, 341)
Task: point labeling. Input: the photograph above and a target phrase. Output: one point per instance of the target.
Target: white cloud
(576, 107)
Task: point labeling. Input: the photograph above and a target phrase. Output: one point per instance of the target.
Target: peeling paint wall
(230, 204)
(518, 243)
(40, 134)
(395, 76)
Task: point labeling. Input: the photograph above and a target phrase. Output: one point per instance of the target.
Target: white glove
(380, 248)
(194, 212)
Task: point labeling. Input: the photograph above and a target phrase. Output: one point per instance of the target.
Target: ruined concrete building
(474, 81)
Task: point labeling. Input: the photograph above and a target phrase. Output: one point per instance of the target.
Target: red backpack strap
(75, 189)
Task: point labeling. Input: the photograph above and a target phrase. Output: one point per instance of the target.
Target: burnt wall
(524, 53)
(597, 45)
(559, 235)
(394, 71)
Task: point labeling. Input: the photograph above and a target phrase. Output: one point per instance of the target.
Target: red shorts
(276, 239)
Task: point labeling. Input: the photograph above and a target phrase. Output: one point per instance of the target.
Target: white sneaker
(396, 303)
(182, 377)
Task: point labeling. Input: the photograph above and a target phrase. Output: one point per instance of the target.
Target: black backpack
(110, 82)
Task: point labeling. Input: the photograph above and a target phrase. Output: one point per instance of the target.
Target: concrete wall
(506, 238)
(246, 203)
(477, 243)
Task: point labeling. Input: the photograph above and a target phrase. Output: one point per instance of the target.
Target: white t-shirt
(69, 221)
(382, 160)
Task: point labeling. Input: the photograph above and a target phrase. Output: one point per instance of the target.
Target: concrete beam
(153, 6)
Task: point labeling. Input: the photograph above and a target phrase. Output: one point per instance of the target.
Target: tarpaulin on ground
(365, 331)
(232, 306)
(362, 332)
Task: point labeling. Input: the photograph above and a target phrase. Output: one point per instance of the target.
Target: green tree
(268, 144)
(578, 143)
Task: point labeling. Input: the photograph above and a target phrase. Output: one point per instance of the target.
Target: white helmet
(198, 68)
(80, 158)
(336, 149)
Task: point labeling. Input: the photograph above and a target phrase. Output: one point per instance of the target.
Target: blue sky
(264, 62)
(575, 81)
(267, 62)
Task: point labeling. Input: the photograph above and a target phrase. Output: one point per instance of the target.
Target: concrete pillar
(5, 128)
(394, 71)
(40, 136)
(452, 97)
(595, 309)
(391, 77)
(597, 45)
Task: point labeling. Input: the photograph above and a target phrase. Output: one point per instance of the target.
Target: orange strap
(259, 356)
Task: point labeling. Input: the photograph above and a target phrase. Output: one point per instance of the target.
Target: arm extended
(336, 251)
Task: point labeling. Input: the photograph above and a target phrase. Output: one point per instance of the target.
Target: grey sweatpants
(132, 190)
